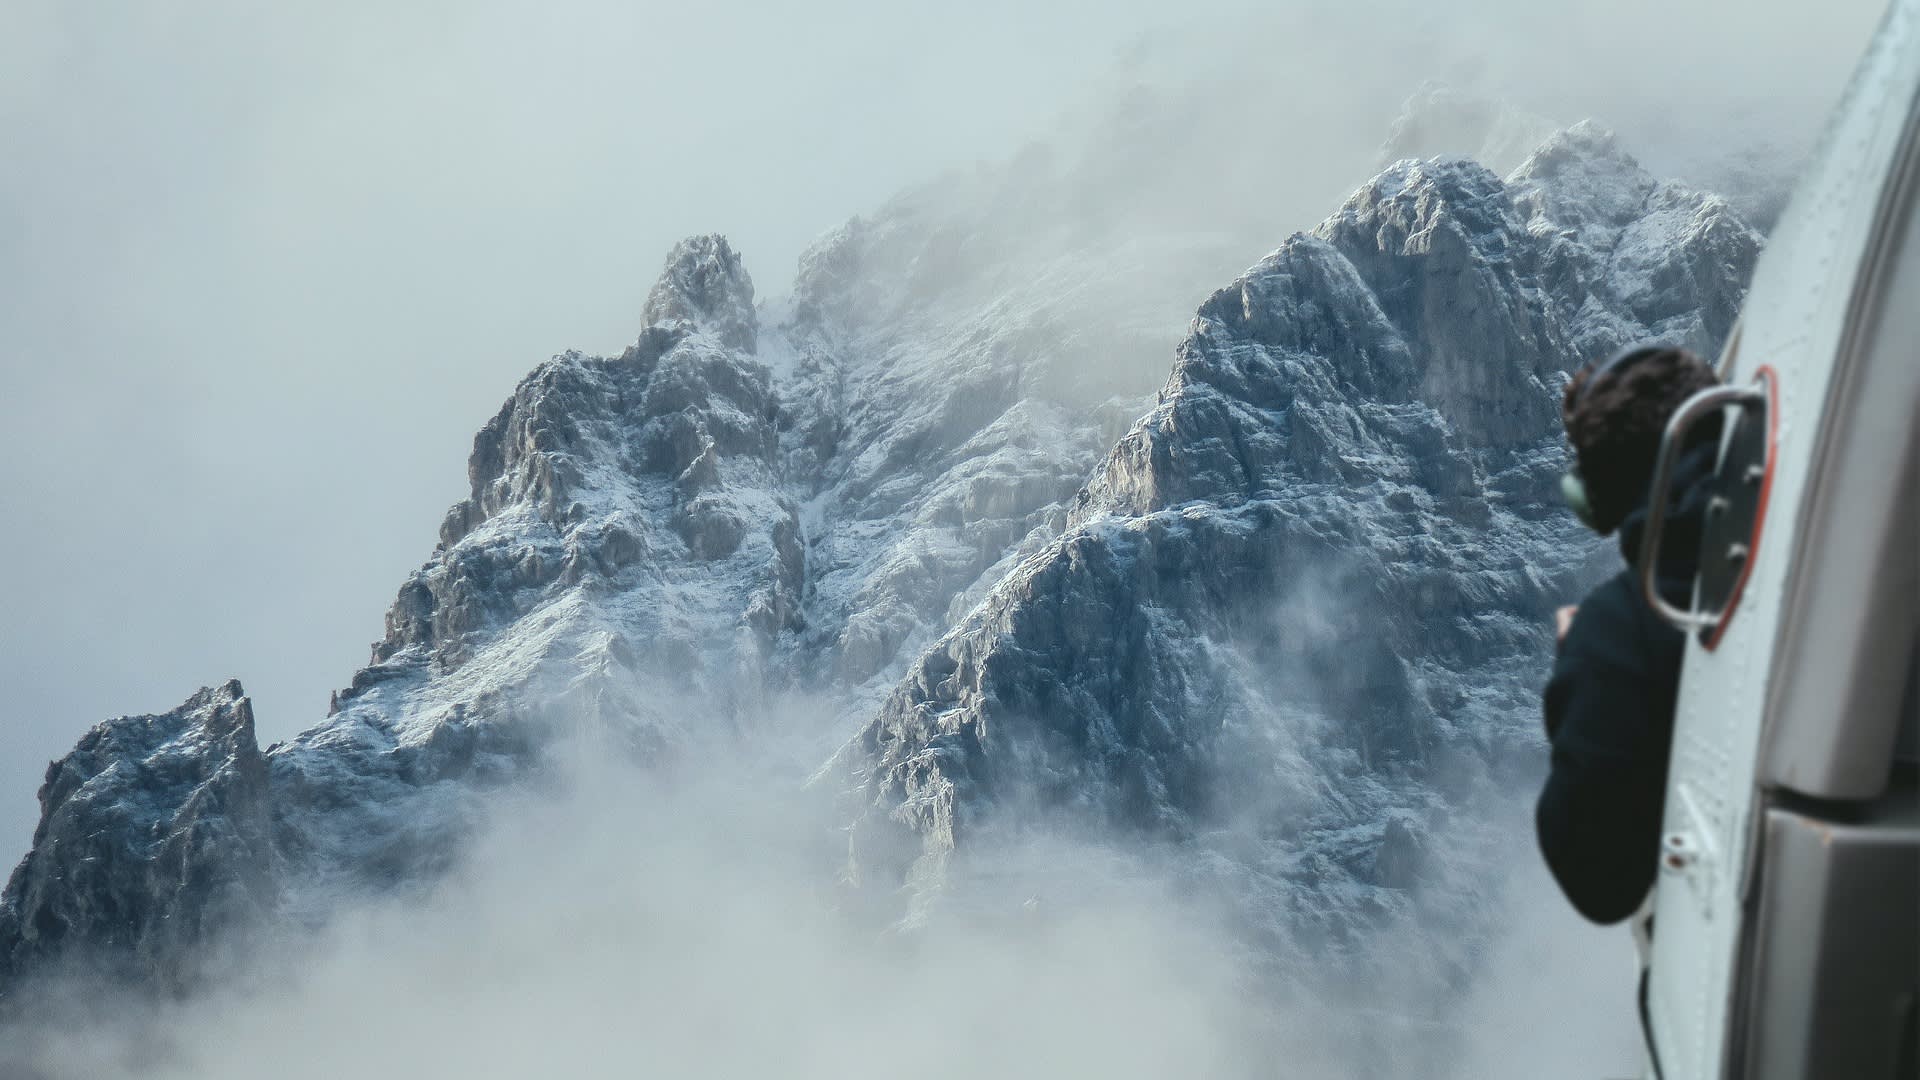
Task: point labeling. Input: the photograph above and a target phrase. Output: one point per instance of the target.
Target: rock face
(704, 285)
(623, 569)
(636, 498)
(1277, 624)
(154, 833)
(1303, 598)
(931, 439)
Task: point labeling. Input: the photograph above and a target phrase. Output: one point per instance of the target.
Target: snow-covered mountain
(1286, 622)
(1296, 618)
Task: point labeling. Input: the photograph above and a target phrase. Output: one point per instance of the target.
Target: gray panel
(1907, 745)
(1849, 618)
(1835, 945)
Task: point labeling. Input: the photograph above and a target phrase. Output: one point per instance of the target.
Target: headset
(1572, 488)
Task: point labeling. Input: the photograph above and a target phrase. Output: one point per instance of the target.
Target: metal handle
(1671, 442)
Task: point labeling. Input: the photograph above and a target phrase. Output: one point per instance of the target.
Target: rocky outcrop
(705, 287)
(935, 430)
(623, 569)
(155, 832)
(619, 500)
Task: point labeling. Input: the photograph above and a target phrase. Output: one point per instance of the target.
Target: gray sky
(265, 268)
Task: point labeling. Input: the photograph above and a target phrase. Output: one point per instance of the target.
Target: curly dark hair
(1615, 426)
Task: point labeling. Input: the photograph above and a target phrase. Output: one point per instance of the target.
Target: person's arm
(1609, 717)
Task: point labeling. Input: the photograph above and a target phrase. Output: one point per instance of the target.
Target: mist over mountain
(913, 556)
(1292, 624)
(265, 275)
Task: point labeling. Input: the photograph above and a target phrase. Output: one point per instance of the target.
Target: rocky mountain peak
(704, 283)
(185, 790)
(1582, 179)
(1294, 584)
(1441, 246)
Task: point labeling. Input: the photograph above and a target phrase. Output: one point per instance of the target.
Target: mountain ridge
(878, 499)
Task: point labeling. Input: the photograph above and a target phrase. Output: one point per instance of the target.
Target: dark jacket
(1609, 713)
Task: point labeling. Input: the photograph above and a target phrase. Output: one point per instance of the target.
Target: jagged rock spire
(154, 832)
(704, 283)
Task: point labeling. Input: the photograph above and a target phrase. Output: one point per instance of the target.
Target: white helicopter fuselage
(1783, 936)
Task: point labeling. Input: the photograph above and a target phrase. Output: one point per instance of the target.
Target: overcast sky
(265, 268)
